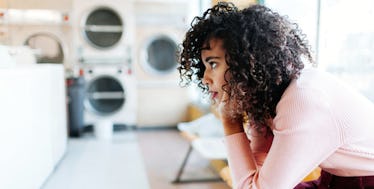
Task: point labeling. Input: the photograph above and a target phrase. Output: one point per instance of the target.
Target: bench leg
(178, 180)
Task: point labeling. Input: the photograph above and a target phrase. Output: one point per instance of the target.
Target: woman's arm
(305, 134)
(252, 151)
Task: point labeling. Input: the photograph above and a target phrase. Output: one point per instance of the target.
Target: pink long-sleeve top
(319, 122)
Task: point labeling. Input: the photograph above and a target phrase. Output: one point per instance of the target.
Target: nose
(206, 79)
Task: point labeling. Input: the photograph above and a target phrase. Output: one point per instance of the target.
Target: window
(346, 45)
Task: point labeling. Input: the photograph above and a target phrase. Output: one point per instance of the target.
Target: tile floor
(92, 164)
(133, 159)
(163, 152)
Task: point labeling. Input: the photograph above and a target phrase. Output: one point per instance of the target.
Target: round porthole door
(103, 28)
(47, 48)
(105, 95)
(161, 55)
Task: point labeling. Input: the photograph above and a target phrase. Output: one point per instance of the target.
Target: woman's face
(215, 67)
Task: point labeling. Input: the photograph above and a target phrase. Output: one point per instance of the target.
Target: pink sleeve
(304, 135)
(238, 150)
(242, 162)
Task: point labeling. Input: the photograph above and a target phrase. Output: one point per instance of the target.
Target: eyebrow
(211, 57)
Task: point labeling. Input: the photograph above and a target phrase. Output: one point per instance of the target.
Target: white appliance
(103, 31)
(46, 32)
(160, 27)
(19, 55)
(110, 94)
(33, 132)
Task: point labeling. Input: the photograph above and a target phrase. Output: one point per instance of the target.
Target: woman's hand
(232, 123)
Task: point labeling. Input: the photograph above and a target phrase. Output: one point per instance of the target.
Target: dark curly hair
(264, 52)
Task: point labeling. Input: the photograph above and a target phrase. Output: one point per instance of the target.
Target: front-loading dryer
(110, 94)
(103, 31)
(48, 34)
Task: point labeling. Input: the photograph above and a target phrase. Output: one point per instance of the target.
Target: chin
(213, 101)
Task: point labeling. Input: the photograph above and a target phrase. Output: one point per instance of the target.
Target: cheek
(220, 89)
(221, 83)
(222, 80)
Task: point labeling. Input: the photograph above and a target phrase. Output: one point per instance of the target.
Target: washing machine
(103, 31)
(160, 27)
(46, 32)
(110, 94)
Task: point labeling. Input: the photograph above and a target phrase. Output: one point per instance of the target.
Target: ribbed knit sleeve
(241, 159)
(305, 134)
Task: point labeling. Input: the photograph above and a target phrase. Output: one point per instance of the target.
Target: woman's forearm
(241, 160)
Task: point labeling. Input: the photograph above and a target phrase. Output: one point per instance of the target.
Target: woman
(251, 63)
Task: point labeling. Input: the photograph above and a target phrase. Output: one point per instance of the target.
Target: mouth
(213, 94)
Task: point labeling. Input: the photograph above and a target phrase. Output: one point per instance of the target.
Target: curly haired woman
(251, 63)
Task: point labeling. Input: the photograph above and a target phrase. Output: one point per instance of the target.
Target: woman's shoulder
(313, 81)
(306, 98)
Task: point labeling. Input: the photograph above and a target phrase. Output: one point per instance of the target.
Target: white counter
(33, 124)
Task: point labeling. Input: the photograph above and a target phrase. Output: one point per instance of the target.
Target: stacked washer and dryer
(103, 38)
(160, 28)
(127, 50)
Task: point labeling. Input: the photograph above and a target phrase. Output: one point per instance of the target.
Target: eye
(212, 64)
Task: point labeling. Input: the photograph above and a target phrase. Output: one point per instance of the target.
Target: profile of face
(213, 58)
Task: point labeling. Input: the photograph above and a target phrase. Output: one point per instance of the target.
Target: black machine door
(103, 28)
(162, 55)
(105, 95)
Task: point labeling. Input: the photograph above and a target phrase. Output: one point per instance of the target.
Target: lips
(213, 94)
